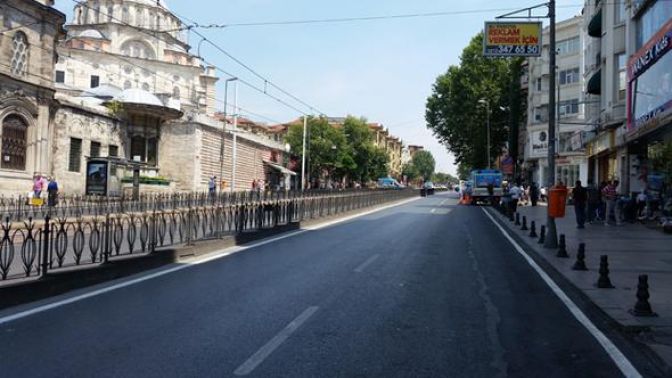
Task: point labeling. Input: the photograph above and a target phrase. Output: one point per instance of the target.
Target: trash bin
(557, 200)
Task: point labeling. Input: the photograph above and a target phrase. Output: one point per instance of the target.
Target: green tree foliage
(424, 163)
(410, 171)
(455, 114)
(447, 178)
(370, 162)
(339, 153)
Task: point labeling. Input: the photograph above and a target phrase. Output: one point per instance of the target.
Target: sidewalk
(633, 249)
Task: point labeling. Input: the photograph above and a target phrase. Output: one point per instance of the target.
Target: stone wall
(89, 126)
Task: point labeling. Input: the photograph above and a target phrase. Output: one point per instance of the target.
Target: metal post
(45, 245)
(303, 154)
(235, 137)
(221, 146)
(551, 232)
(487, 105)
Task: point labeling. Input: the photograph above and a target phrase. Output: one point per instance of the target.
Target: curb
(647, 360)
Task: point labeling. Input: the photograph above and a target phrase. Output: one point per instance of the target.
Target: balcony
(595, 83)
(595, 25)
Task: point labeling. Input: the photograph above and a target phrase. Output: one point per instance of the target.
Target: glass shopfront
(651, 20)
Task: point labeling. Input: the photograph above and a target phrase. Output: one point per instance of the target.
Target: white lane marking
(442, 202)
(366, 263)
(433, 211)
(612, 350)
(184, 265)
(273, 344)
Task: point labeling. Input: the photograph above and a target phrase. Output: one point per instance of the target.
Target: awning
(595, 25)
(280, 168)
(595, 83)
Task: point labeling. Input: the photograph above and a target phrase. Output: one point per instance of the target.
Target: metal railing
(85, 231)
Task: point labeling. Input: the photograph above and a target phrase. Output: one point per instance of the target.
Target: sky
(382, 70)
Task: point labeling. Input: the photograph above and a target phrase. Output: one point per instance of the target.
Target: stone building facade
(30, 31)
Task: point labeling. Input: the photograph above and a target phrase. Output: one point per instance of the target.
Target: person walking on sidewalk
(594, 202)
(610, 196)
(515, 192)
(534, 194)
(580, 195)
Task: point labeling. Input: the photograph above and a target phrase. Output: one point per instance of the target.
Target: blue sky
(382, 70)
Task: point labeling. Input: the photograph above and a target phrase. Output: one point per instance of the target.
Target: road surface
(425, 289)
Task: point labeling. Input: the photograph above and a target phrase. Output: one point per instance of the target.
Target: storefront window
(652, 89)
(652, 20)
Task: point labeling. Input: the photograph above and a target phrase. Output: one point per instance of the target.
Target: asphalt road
(426, 289)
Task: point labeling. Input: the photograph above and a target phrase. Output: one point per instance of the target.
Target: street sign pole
(551, 229)
(551, 240)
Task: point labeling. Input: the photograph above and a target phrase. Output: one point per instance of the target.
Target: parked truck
(486, 186)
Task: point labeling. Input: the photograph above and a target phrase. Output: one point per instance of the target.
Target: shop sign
(650, 90)
(577, 141)
(539, 144)
(649, 55)
(504, 39)
(603, 142)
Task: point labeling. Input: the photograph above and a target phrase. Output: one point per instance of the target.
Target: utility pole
(235, 137)
(551, 229)
(223, 136)
(303, 154)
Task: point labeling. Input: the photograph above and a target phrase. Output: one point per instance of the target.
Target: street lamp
(487, 109)
(221, 147)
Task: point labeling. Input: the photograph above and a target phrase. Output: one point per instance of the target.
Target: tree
(368, 162)
(329, 154)
(456, 114)
(424, 164)
(410, 171)
(440, 177)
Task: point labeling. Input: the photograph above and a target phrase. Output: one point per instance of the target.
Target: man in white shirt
(515, 192)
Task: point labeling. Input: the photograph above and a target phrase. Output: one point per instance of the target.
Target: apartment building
(571, 163)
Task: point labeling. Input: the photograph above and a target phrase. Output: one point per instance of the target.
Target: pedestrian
(212, 185)
(37, 186)
(610, 196)
(534, 194)
(52, 192)
(641, 204)
(594, 202)
(580, 195)
(515, 197)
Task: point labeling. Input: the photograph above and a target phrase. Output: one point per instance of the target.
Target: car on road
(389, 183)
(428, 186)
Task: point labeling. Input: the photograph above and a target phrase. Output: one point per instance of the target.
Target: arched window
(145, 87)
(96, 14)
(137, 49)
(127, 84)
(19, 54)
(176, 93)
(110, 12)
(14, 141)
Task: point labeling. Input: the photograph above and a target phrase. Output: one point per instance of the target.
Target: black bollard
(580, 263)
(643, 307)
(562, 247)
(604, 282)
(524, 228)
(533, 229)
(510, 214)
(542, 234)
(517, 219)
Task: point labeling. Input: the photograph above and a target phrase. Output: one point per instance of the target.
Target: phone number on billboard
(514, 50)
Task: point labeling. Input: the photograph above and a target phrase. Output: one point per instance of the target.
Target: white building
(571, 164)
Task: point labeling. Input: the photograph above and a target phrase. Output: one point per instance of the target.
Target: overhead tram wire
(153, 35)
(366, 18)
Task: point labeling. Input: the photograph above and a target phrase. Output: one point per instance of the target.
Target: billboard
(538, 144)
(502, 39)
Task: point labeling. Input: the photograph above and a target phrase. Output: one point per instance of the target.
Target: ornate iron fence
(97, 231)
